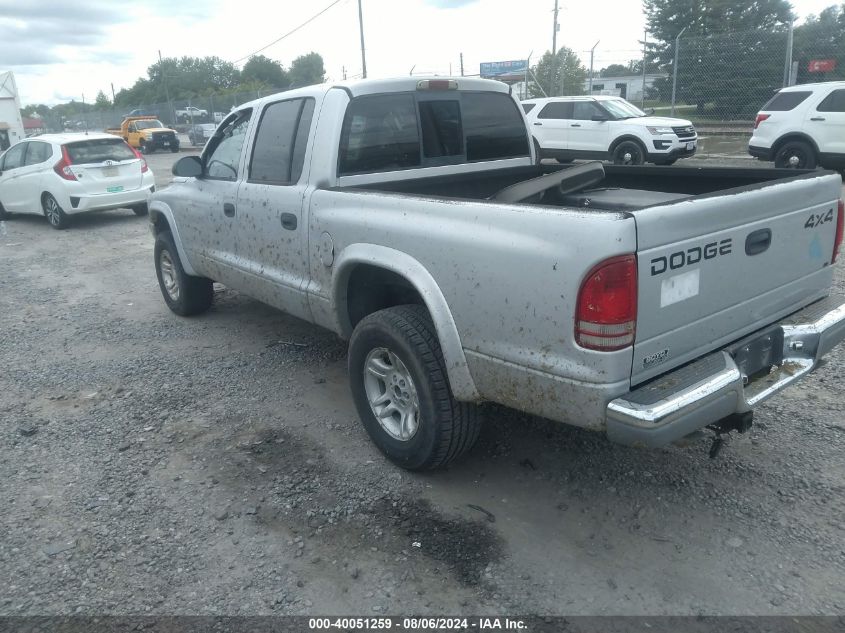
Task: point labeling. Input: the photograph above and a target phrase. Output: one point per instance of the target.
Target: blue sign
(514, 68)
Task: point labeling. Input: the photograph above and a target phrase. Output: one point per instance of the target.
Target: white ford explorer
(606, 128)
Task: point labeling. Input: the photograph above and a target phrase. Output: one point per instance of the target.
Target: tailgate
(110, 176)
(716, 267)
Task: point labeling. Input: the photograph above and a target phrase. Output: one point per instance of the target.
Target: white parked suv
(802, 127)
(59, 175)
(606, 128)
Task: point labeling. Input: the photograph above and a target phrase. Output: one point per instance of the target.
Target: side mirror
(650, 111)
(188, 167)
(599, 117)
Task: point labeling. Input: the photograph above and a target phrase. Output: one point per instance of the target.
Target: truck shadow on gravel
(311, 495)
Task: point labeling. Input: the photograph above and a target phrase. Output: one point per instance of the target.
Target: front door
(12, 195)
(585, 134)
(271, 232)
(826, 122)
(207, 216)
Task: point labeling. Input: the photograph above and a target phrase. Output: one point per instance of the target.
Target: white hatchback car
(606, 128)
(802, 126)
(59, 175)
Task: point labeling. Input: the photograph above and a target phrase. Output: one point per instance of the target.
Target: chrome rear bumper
(714, 387)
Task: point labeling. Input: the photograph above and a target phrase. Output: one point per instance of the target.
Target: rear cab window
(785, 101)
(387, 132)
(99, 150)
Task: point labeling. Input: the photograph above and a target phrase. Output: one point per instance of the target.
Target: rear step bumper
(714, 387)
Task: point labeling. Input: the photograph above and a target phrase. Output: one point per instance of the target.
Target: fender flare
(460, 378)
(160, 210)
(627, 137)
(794, 136)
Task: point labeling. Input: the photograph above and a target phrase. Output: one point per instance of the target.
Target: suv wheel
(628, 153)
(795, 155)
(184, 294)
(401, 390)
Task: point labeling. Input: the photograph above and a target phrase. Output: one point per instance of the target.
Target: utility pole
(675, 69)
(592, 52)
(554, 32)
(112, 93)
(645, 38)
(361, 26)
(462, 64)
(170, 114)
(344, 72)
(787, 66)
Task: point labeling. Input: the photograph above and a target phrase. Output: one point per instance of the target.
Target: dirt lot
(155, 464)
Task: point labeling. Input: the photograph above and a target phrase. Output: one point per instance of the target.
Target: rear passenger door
(826, 123)
(551, 129)
(270, 236)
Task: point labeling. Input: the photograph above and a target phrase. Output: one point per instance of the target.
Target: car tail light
(606, 314)
(62, 168)
(144, 167)
(760, 118)
(437, 84)
(840, 226)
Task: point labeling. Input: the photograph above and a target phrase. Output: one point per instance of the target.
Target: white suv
(59, 175)
(606, 128)
(802, 127)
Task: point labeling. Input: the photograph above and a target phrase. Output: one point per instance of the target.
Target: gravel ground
(215, 465)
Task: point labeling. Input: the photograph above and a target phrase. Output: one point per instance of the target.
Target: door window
(493, 125)
(275, 159)
(556, 110)
(14, 157)
(223, 152)
(37, 153)
(785, 101)
(586, 110)
(834, 102)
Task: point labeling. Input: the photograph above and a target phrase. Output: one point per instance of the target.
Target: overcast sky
(60, 50)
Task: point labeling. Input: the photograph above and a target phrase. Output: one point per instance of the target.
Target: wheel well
(370, 289)
(622, 139)
(159, 223)
(794, 137)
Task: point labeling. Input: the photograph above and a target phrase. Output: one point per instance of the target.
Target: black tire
(145, 149)
(445, 428)
(565, 161)
(628, 153)
(54, 213)
(141, 209)
(193, 295)
(538, 151)
(795, 155)
(174, 149)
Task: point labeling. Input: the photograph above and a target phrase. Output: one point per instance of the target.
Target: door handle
(758, 241)
(537, 123)
(817, 118)
(289, 221)
(575, 125)
(228, 209)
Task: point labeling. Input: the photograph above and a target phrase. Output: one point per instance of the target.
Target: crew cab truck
(410, 216)
(146, 134)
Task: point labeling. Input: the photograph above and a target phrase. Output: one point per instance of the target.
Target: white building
(629, 87)
(11, 126)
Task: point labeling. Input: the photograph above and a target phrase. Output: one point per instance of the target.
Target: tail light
(437, 84)
(606, 314)
(760, 118)
(840, 226)
(144, 167)
(62, 168)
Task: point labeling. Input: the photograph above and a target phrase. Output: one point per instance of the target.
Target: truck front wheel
(184, 294)
(401, 390)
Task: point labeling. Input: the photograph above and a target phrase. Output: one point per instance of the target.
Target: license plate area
(691, 145)
(110, 172)
(756, 355)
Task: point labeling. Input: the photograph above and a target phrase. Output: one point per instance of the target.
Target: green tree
(615, 70)
(731, 53)
(559, 74)
(306, 70)
(102, 101)
(266, 71)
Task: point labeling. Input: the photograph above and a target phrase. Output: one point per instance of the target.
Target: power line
(311, 19)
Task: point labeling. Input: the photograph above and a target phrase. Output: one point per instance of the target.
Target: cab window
(586, 110)
(279, 150)
(37, 152)
(556, 110)
(834, 102)
(222, 155)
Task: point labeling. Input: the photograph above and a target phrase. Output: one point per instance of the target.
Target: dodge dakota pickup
(411, 217)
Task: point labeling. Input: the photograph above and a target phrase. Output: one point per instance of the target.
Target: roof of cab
(375, 86)
(72, 137)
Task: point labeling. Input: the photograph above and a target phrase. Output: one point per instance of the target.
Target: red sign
(821, 65)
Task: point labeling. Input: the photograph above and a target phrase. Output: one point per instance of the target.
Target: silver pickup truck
(411, 217)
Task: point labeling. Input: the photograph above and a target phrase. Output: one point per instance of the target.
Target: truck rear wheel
(401, 390)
